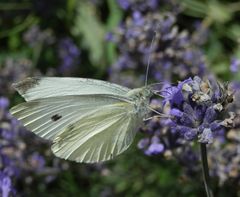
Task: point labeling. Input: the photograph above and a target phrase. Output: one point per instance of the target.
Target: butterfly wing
(47, 117)
(88, 120)
(45, 87)
(98, 136)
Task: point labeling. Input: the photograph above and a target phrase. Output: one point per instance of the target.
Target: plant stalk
(205, 170)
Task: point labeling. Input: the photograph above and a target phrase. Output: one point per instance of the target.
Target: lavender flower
(146, 5)
(12, 71)
(155, 148)
(159, 139)
(235, 65)
(174, 53)
(224, 159)
(68, 54)
(199, 109)
(35, 36)
(19, 159)
(139, 5)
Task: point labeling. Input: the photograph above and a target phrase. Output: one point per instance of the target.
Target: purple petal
(176, 112)
(206, 136)
(4, 102)
(210, 115)
(154, 148)
(6, 186)
(143, 143)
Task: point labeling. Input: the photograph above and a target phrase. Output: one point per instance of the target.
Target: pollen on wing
(56, 117)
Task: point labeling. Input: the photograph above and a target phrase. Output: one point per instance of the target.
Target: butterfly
(87, 120)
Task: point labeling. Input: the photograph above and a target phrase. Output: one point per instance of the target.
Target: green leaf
(214, 49)
(92, 31)
(233, 32)
(115, 16)
(194, 8)
(14, 41)
(71, 6)
(221, 68)
(220, 13)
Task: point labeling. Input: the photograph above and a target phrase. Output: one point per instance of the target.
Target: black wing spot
(56, 117)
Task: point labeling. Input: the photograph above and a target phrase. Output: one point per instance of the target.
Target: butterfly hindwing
(48, 116)
(98, 136)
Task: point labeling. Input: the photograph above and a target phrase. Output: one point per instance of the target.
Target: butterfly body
(141, 97)
(87, 120)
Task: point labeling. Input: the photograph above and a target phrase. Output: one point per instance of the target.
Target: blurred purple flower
(235, 65)
(68, 54)
(145, 5)
(18, 157)
(235, 85)
(124, 4)
(173, 53)
(224, 158)
(154, 148)
(5, 185)
(4, 103)
(35, 36)
(201, 33)
(37, 161)
(12, 71)
(143, 143)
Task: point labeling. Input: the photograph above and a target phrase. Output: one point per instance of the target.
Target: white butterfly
(87, 120)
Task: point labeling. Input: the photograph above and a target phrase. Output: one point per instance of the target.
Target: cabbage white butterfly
(87, 120)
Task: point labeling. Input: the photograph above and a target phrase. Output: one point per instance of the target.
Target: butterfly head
(143, 93)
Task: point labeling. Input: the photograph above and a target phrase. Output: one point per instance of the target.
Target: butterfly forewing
(45, 87)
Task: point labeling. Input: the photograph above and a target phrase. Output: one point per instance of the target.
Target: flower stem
(205, 170)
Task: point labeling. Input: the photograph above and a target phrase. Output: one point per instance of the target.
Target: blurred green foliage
(221, 18)
(131, 174)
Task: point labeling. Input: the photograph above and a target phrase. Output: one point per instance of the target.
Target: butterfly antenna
(149, 57)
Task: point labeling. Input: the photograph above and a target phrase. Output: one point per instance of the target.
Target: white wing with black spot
(88, 120)
(99, 136)
(48, 116)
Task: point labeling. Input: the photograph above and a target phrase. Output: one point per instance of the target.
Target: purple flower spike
(199, 108)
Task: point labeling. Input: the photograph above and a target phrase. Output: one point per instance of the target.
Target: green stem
(206, 178)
